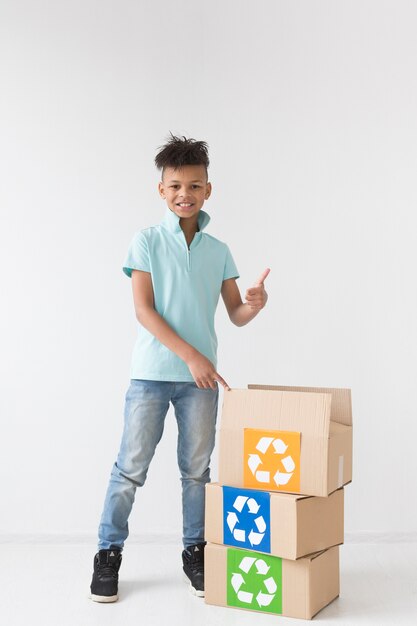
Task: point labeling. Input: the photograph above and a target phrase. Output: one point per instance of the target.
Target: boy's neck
(189, 227)
(189, 224)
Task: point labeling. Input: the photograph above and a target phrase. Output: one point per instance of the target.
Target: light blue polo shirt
(186, 284)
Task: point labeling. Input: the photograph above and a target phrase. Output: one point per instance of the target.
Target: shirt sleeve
(137, 257)
(230, 269)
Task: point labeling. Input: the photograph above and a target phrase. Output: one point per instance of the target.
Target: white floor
(49, 585)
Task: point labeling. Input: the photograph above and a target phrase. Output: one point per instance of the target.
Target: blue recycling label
(246, 519)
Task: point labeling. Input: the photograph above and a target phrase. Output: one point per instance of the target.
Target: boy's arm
(256, 297)
(201, 368)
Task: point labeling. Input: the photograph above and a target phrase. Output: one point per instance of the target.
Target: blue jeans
(146, 406)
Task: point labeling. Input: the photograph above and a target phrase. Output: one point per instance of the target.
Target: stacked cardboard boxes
(274, 522)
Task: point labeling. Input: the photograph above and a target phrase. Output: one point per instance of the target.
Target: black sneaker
(193, 566)
(106, 575)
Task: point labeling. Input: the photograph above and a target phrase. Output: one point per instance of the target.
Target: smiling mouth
(185, 205)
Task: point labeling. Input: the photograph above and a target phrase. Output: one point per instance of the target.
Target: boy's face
(185, 186)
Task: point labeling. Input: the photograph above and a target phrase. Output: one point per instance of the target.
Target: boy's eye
(174, 186)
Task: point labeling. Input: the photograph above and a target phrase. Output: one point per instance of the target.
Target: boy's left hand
(256, 296)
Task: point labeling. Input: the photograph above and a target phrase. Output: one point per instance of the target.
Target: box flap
(308, 413)
(314, 555)
(341, 404)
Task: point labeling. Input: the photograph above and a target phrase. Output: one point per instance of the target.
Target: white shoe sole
(194, 591)
(103, 598)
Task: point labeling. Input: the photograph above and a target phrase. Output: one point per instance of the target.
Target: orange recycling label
(271, 460)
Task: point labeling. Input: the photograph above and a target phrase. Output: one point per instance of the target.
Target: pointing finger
(262, 277)
(222, 381)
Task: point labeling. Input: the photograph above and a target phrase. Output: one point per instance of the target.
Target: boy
(178, 273)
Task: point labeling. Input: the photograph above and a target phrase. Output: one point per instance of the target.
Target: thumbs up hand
(256, 296)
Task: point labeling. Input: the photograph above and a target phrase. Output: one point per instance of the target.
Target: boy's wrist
(189, 354)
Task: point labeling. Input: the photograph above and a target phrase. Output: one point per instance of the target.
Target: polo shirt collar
(171, 220)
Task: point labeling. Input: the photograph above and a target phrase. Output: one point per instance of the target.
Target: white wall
(308, 108)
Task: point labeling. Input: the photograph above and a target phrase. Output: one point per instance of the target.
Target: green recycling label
(254, 581)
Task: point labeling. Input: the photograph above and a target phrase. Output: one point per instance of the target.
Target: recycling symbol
(287, 463)
(254, 536)
(254, 568)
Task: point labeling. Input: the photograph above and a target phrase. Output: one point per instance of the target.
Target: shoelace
(195, 563)
(197, 567)
(105, 569)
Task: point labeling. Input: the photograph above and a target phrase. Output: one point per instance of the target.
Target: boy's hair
(178, 152)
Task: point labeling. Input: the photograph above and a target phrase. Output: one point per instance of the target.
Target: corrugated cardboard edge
(341, 406)
(290, 411)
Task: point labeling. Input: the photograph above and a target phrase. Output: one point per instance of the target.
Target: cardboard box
(259, 582)
(289, 439)
(285, 525)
